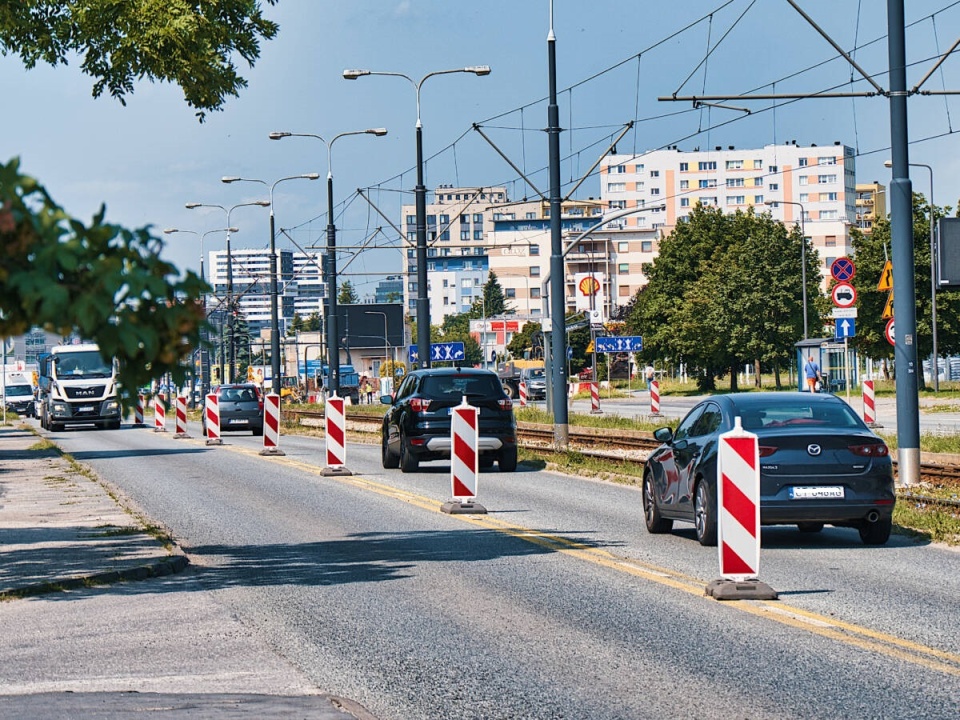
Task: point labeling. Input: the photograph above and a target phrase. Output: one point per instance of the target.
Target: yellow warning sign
(886, 278)
(888, 308)
(590, 347)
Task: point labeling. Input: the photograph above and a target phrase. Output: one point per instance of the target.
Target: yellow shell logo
(589, 286)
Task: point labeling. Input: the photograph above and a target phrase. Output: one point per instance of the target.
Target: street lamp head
(379, 132)
(192, 205)
(168, 231)
(310, 176)
(261, 203)
(888, 163)
(478, 70)
(278, 135)
(354, 74)
(233, 230)
(771, 203)
(228, 179)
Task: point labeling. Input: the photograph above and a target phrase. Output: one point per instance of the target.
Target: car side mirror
(664, 434)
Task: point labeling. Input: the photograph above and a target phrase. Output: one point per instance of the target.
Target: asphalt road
(555, 605)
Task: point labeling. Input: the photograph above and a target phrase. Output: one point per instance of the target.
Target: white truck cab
(76, 385)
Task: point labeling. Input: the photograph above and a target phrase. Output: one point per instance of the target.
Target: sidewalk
(60, 529)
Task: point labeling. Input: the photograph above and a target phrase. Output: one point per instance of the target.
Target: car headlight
(59, 407)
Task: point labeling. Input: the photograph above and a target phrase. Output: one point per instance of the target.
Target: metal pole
(274, 313)
(228, 377)
(333, 346)
(423, 296)
(557, 290)
(901, 221)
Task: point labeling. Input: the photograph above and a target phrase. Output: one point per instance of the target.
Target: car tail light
(420, 404)
(767, 450)
(505, 404)
(870, 450)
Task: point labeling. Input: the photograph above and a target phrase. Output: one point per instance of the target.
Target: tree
(528, 341)
(348, 295)
(314, 323)
(102, 281)
(493, 302)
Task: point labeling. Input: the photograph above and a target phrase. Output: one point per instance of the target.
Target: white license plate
(239, 421)
(85, 408)
(816, 493)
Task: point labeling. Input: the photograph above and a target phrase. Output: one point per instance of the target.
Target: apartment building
(812, 185)
(871, 205)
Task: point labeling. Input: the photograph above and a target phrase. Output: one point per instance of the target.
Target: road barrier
(335, 429)
(523, 394)
(738, 526)
(181, 418)
(655, 397)
(211, 411)
(271, 425)
(594, 398)
(138, 412)
(869, 403)
(464, 460)
(159, 413)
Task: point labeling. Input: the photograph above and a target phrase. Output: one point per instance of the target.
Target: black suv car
(417, 425)
(241, 408)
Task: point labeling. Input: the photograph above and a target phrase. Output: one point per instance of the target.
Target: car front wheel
(656, 524)
(705, 515)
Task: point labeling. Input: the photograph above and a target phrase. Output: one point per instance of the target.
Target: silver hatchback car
(241, 408)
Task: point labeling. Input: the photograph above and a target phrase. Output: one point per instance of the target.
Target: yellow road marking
(778, 611)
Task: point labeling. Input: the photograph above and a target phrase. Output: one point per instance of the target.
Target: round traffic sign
(888, 332)
(844, 295)
(843, 269)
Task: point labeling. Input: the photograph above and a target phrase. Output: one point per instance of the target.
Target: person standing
(364, 389)
(648, 374)
(811, 371)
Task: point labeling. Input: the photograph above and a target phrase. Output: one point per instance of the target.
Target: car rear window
(454, 387)
(798, 414)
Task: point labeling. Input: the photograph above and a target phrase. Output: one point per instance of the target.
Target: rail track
(625, 446)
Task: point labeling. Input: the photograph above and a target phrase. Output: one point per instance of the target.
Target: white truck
(16, 392)
(77, 386)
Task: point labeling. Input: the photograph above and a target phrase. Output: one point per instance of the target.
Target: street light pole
(230, 324)
(274, 312)
(803, 254)
(330, 264)
(204, 352)
(420, 192)
(935, 371)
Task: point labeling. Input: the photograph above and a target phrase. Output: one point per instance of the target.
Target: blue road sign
(441, 352)
(846, 328)
(615, 344)
(842, 269)
(569, 353)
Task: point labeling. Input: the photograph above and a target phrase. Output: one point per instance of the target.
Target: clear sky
(146, 160)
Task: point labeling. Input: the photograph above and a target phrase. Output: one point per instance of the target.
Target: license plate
(239, 421)
(85, 408)
(816, 493)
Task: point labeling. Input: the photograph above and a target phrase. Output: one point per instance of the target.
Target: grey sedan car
(241, 408)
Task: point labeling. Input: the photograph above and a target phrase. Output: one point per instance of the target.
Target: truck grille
(88, 392)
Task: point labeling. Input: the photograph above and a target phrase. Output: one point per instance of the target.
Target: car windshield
(456, 386)
(838, 415)
(537, 374)
(82, 364)
(18, 390)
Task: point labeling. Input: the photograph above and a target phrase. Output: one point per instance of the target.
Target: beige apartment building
(871, 205)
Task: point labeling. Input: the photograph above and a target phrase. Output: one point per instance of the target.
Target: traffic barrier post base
(455, 507)
(180, 436)
(214, 441)
(272, 451)
(335, 471)
(725, 589)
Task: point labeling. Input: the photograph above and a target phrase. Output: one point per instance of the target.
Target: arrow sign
(615, 344)
(846, 328)
(441, 352)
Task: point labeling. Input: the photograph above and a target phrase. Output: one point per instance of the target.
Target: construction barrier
(594, 397)
(181, 418)
(159, 413)
(464, 460)
(869, 403)
(335, 429)
(211, 411)
(138, 412)
(522, 391)
(271, 425)
(655, 398)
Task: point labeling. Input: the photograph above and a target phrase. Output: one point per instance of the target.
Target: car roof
(452, 371)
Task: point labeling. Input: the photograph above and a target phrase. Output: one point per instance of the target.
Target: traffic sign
(888, 332)
(844, 312)
(615, 344)
(888, 308)
(844, 295)
(842, 269)
(846, 328)
(886, 277)
(441, 352)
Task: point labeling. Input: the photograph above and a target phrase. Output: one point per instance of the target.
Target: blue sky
(146, 160)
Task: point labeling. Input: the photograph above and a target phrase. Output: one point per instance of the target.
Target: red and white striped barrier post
(211, 411)
(335, 429)
(271, 425)
(655, 397)
(138, 412)
(523, 394)
(738, 526)
(159, 413)
(869, 404)
(464, 460)
(181, 418)
(594, 398)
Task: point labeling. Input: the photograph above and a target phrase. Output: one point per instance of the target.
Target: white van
(17, 393)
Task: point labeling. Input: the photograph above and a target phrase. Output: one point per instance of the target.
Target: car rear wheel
(705, 515)
(810, 527)
(408, 461)
(387, 458)
(258, 431)
(508, 459)
(656, 524)
(876, 533)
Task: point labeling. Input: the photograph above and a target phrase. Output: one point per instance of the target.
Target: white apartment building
(814, 185)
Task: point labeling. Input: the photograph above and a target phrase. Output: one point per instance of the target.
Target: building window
(830, 241)
(411, 237)
(510, 293)
(709, 201)
(684, 167)
(685, 202)
(445, 235)
(684, 184)
(774, 186)
(712, 165)
(734, 164)
(832, 196)
(535, 293)
(802, 162)
(646, 246)
(464, 235)
(802, 180)
(534, 271)
(758, 164)
(618, 204)
(638, 168)
(712, 183)
(477, 218)
(444, 219)
(623, 268)
(827, 160)
(534, 249)
(826, 179)
(411, 219)
(758, 199)
(758, 182)
(829, 215)
(654, 191)
(654, 173)
(465, 218)
(735, 199)
(531, 216)
(478, 234)
(735, 182)
(773, 168)
(804, 197)
(623, 247)
(616, 187)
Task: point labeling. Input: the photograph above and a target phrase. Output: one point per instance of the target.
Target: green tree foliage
(527, 342)
(348, 295)
(723, 290)
(101, 281)
(187, 42)
(493, 302)
(314, 323)
(871, 252)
